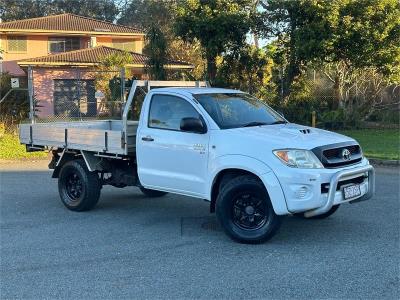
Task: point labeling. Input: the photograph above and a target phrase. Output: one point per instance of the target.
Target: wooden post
(313, 118)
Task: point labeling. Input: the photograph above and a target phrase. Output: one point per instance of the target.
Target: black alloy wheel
(245, 211)
(74, 187)
(79, 188)
(249, 211)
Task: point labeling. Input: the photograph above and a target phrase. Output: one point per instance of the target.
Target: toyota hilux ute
(221, 145)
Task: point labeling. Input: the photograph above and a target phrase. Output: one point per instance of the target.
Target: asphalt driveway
(131, 246)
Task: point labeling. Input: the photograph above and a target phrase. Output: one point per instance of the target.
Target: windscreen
(232, 110)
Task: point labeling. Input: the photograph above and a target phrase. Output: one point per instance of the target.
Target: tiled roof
(69, 23)
(91, 56)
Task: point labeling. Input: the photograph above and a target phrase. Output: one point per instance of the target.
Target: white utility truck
(221, 145)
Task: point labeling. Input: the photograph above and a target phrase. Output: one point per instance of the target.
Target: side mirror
(194, 125)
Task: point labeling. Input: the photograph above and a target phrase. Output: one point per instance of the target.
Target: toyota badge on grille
(346, 154)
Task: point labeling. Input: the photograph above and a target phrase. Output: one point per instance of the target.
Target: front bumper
(367, 189)
(303, 188)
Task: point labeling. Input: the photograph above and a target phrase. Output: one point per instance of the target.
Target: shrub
(10, 148)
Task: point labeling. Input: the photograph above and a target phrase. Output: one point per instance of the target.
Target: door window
(166, 112)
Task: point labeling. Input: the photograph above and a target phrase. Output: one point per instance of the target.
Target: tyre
(152, 193)
(78, 187)
(322, 216)
(245, 211)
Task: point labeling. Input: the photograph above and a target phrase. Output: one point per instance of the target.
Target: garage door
(74, 98)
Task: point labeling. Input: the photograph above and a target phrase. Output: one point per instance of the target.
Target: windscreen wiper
(254, 124)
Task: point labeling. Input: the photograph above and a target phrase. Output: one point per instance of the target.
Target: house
(59, 48)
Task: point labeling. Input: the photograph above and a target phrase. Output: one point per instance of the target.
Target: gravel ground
(171, 247)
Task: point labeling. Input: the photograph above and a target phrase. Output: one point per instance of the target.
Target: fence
(76, 94)
(363, 100)
(80, 94)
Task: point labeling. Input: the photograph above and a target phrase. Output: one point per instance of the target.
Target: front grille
(357, 180)
(336, 152)
(331, 156)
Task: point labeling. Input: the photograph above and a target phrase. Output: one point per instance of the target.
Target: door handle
(147, 139)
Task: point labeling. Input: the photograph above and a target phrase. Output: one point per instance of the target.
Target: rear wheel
(79, 188)
(322, 216)
(152, 193)
(245, 211)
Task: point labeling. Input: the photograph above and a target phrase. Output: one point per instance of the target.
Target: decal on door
(199, 147)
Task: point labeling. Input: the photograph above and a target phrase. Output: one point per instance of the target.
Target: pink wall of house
(43, 86)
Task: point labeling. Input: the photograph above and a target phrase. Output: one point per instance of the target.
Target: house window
(127, 45)
(16, 43)
(64, 44)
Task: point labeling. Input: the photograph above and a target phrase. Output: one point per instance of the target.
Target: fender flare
(58, 163)
(256, 167)
(93, 163)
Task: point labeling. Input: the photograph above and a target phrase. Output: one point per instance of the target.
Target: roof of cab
(195, 91)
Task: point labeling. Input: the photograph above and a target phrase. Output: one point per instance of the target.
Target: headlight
(297, 158)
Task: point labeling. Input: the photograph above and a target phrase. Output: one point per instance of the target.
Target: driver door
(168, 158)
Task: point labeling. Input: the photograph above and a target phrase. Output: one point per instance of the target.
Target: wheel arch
(245, 165)
(92, 162)
(221, 178)
(58, 161)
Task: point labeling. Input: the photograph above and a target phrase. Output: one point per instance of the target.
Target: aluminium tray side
(100, 136)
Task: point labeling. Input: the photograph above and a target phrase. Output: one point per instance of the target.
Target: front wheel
(78, 187)
(245, 211)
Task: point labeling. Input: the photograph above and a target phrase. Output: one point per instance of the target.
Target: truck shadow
(33, 194)
(294, 230)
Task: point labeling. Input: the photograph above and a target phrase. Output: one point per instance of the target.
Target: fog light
(301, 192)
(324, 188)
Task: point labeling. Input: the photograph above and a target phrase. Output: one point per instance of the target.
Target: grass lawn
(10, 148)
(377, 143)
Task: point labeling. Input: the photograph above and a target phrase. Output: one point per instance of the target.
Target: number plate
(351, 191)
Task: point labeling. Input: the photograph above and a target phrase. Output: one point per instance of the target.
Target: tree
(156, 49)
(366, 36)
(188, 52)
(220, 26)
(301, 29)
(355, 33)
(150, 13)
(157, 19)
(248, 69)
(108, 80)
(11, 10)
